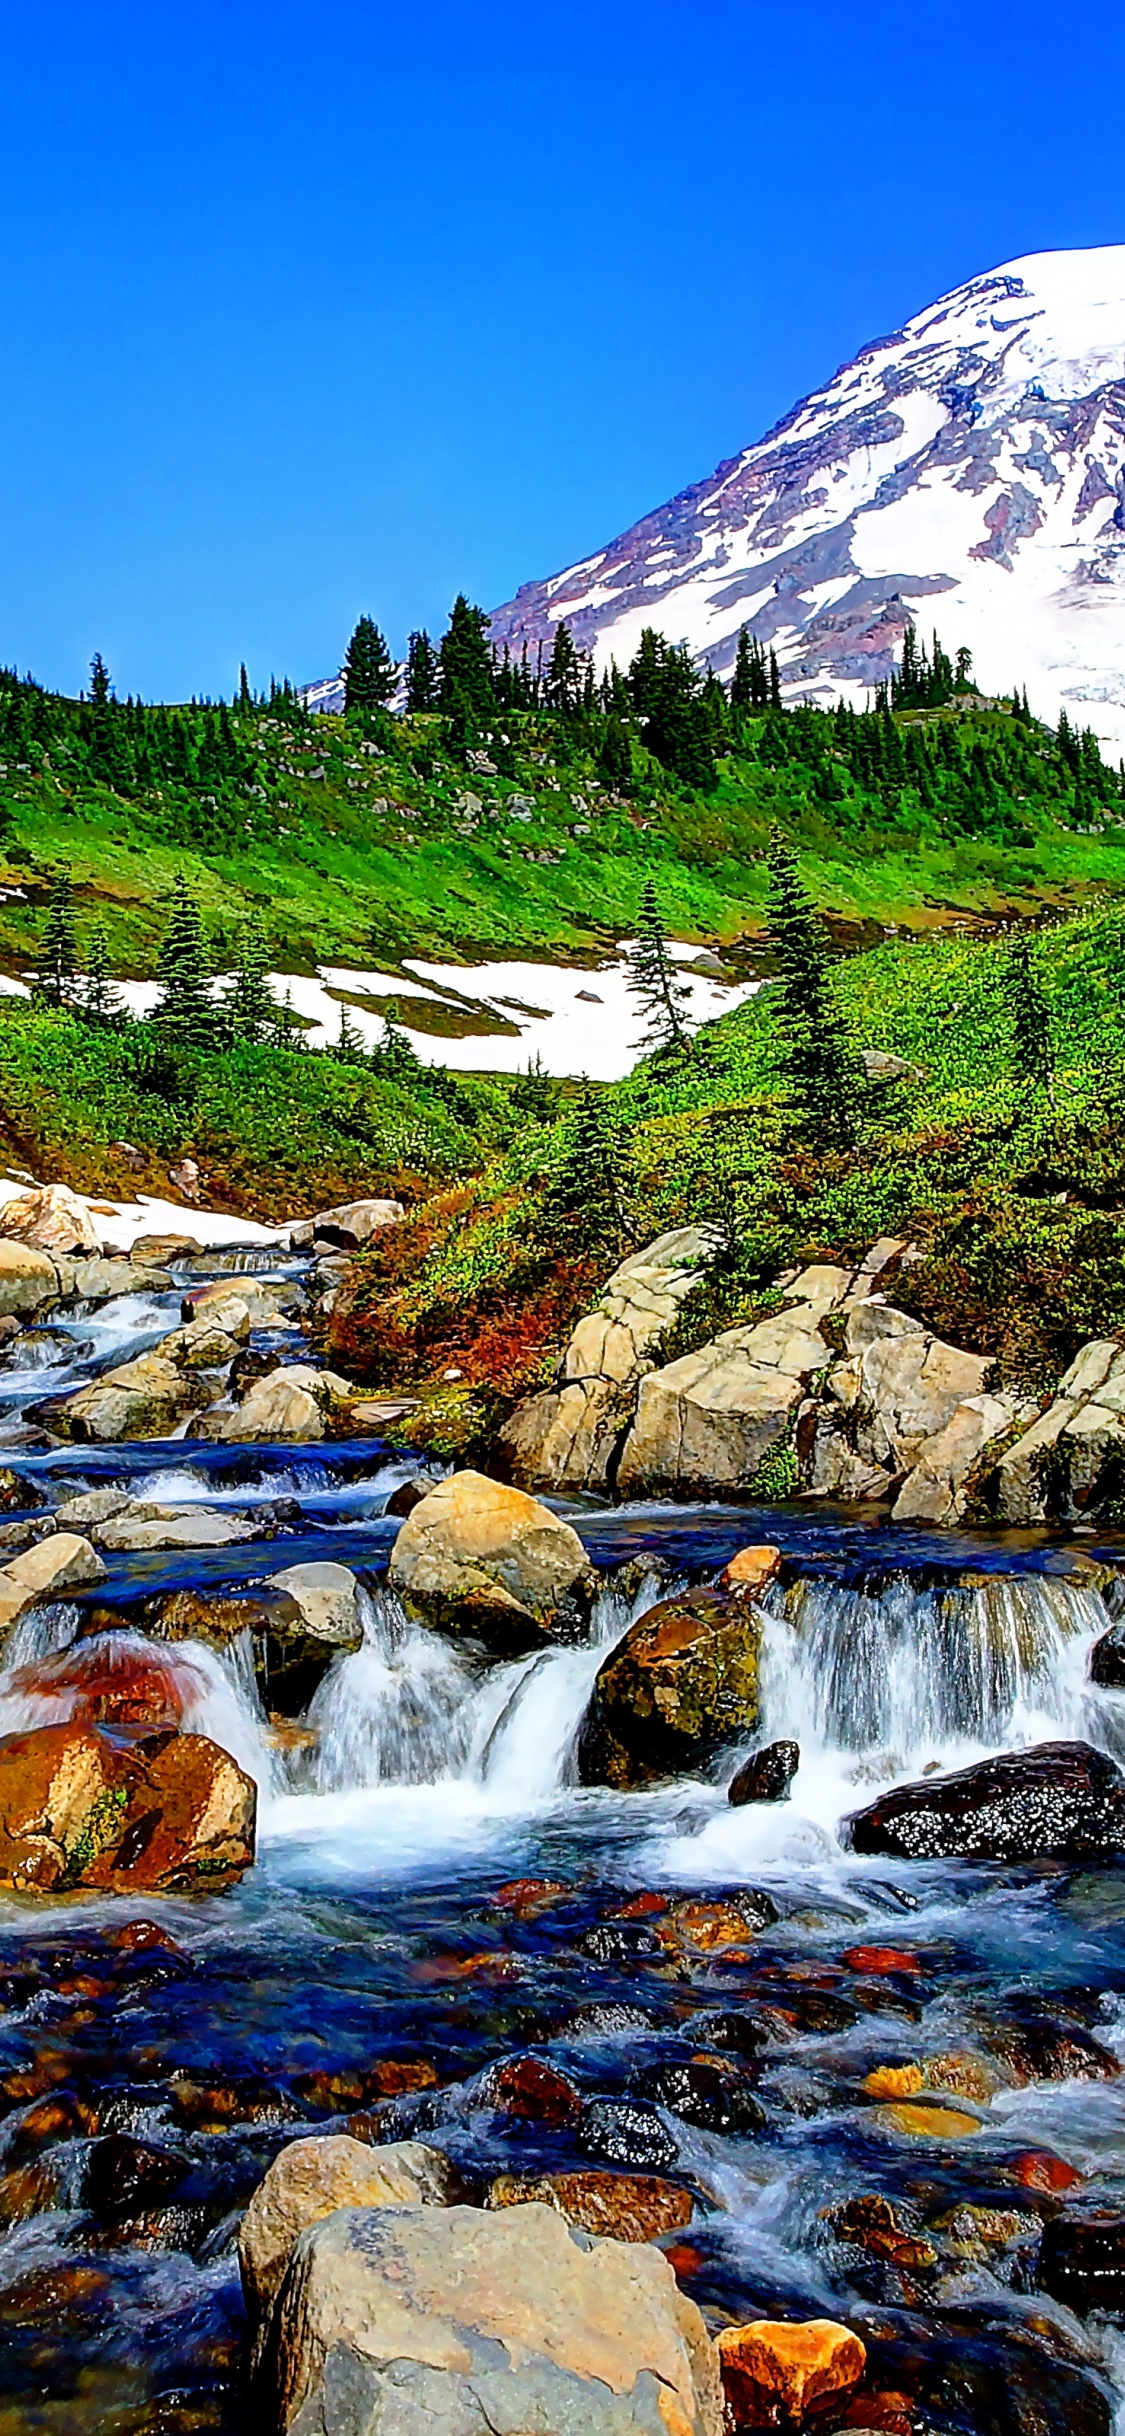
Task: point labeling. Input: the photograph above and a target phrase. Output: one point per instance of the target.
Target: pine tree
(421, 673)
(184, 1012)
(369, 671)
(349, 1049)
(58, 953)
(742, 682)
(775, 683)
(533, 1092)
(396, 1055)
(99, 682)
(652, 979)
(565, 672)
(818, 1060)
(251, 1009)
(1030, 1017)
(101, 1002)
(615, 760)
(466, 688)
(583, 1201)
(245, 697)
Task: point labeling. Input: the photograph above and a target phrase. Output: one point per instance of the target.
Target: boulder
(766, 1776)
(900, 1384)
(92, 1506)
(772, 2371)
(1082, 2260)
(53, 1219)
(64, 1560)
(163, 1251)
(147, 1398)
(627, 2207)
(202, 1346)
(310, 2178)
(463, 2322)
(78, 1808)
(348, 1225)
(186, 1527)
(476, 1557)
(705, 1423)
(1062, 1801)
(292, 1403)
(567, 1440)
(1072, 1458)
(28, 1279)
(269, 1302)
(222, 1307)
(682, 1684)
(101, 1281)
(936, 1490)
(1107, 1660)
(324, 1600)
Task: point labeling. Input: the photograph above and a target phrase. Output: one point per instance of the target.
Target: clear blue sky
(310, 312)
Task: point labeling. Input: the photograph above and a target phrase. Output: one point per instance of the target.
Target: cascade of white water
(49, 1675)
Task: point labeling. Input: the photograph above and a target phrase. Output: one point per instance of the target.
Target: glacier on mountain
(967, 472)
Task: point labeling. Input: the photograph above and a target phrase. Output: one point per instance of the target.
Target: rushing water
(369, 1952)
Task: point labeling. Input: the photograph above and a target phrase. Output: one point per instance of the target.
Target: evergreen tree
(819, 1062)
(251, 1009)
(742, 681)
(533, 1093)
(369, 671)
(101, 1002)
(615, 760)
(565, 672)
(1030, 1017)
(58, 953)
(775, 683)
(421, 673)
(349, 1049)
(396, 1055)
(465, 689)
(583, 1201)
(99, 682)
(653, 980)
(184, 1012)
(245, 697)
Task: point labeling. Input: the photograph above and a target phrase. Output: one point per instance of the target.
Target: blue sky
(314, 312)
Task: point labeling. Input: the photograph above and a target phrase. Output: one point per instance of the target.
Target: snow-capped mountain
(967, 472)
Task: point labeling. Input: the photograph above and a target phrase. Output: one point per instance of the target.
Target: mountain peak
(967, 471)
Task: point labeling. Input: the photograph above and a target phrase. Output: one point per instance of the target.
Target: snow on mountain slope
(967, 472)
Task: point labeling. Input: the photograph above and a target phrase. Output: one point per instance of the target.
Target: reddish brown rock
(751, 1571)
(100, 1682)
(524, 1897)
(772, 2370)
(79, 1808)
(622, 2207)
(680, 1685)
(527, 2087)
(391, 2076)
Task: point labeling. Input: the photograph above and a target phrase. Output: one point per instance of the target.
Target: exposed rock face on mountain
(968, 471)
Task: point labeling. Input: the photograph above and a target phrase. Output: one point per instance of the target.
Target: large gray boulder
(28, 1278)
(939, 1487)
(462, 2322)
(293, 1402)
(705, 1423)
(1072, 1458)
(568, 1438)
(900, 1384)
(309, 2179)
(51, 1218)
(142, 1399)
(476, 1557)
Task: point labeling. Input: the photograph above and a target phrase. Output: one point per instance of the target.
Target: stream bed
(712, 1989)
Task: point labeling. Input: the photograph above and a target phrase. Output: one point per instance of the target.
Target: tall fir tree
(369, 671)
(421, 673)
(184, 1012)
(1030, 1016)
(742, 681)
(821, 1067)
(101, 1001)
(349, 1049)
(251, 1008)
(58, 952)
(466, 692)
(653, 980)
(583, 1206)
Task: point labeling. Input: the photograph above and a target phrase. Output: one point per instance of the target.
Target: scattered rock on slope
(475, 1557)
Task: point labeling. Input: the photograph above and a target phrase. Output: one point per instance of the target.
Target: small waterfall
(50, 1676)
(397, 1711)
(529, 1751)
(904, 1674)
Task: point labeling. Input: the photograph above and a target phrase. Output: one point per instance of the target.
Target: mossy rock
(682, 1685)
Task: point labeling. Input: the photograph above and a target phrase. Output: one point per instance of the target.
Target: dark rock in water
(746, 2034)
(528, 2087)
(217, 2106)
(1053, 2051)
(681, 1685)
(1107, 1659)
(1061, 1801)
(622, 2132)
(618, 2207)
(16, 1493)
(707, 2090)
(125, 2177)
(766, 1776)
(403, 1500)
(1082, 2260)
(607, 2021)
(606, 1942)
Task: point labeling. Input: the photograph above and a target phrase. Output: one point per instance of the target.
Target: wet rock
(911, 2121)
(219, 1619)
(16, 1493)
(624, 2207)
(107, 1681)
(122, 2176)
(773, 2371)
(51, 1219)
(1052, 2051)
(153, 1527)
(324, 1596)
(528, 2088)
(1082, 2260)
(28, 1279)
(680, 1686)
(390, 2076)
(695, 1926)
(147, 1398)
(750, 1572)
(525, 1898)
(870, 2222)
(1107, 1659)
(62, 1561)
(403, 1500)
(291, 1403)
(475, 1557)
(101, 1281)
(709, 2091)
(744, 2033)
(92, 1506)
(568, 1439)
(214, 2107)
(310, 2178)
(624, 2132)
(462, 2320)
(1038, 2170)
(705, 1423)
(79, 1809)
(1061, 1801)
(606, 2021)
(766, 1776)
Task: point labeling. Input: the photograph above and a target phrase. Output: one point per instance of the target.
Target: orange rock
(640, 1907)
(708, 1928)
(929, 2122)
(136, 1936)
(102, 1682)
(79, 1808)
(526, 1896)
(391, 2076)
(964, 2076)
(882, 1961)
(620, 2207)
(683, 2258)
(751, 1571)
(1039, 2171)
(527, 2087)
(894, 2081)
(772, 2370)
